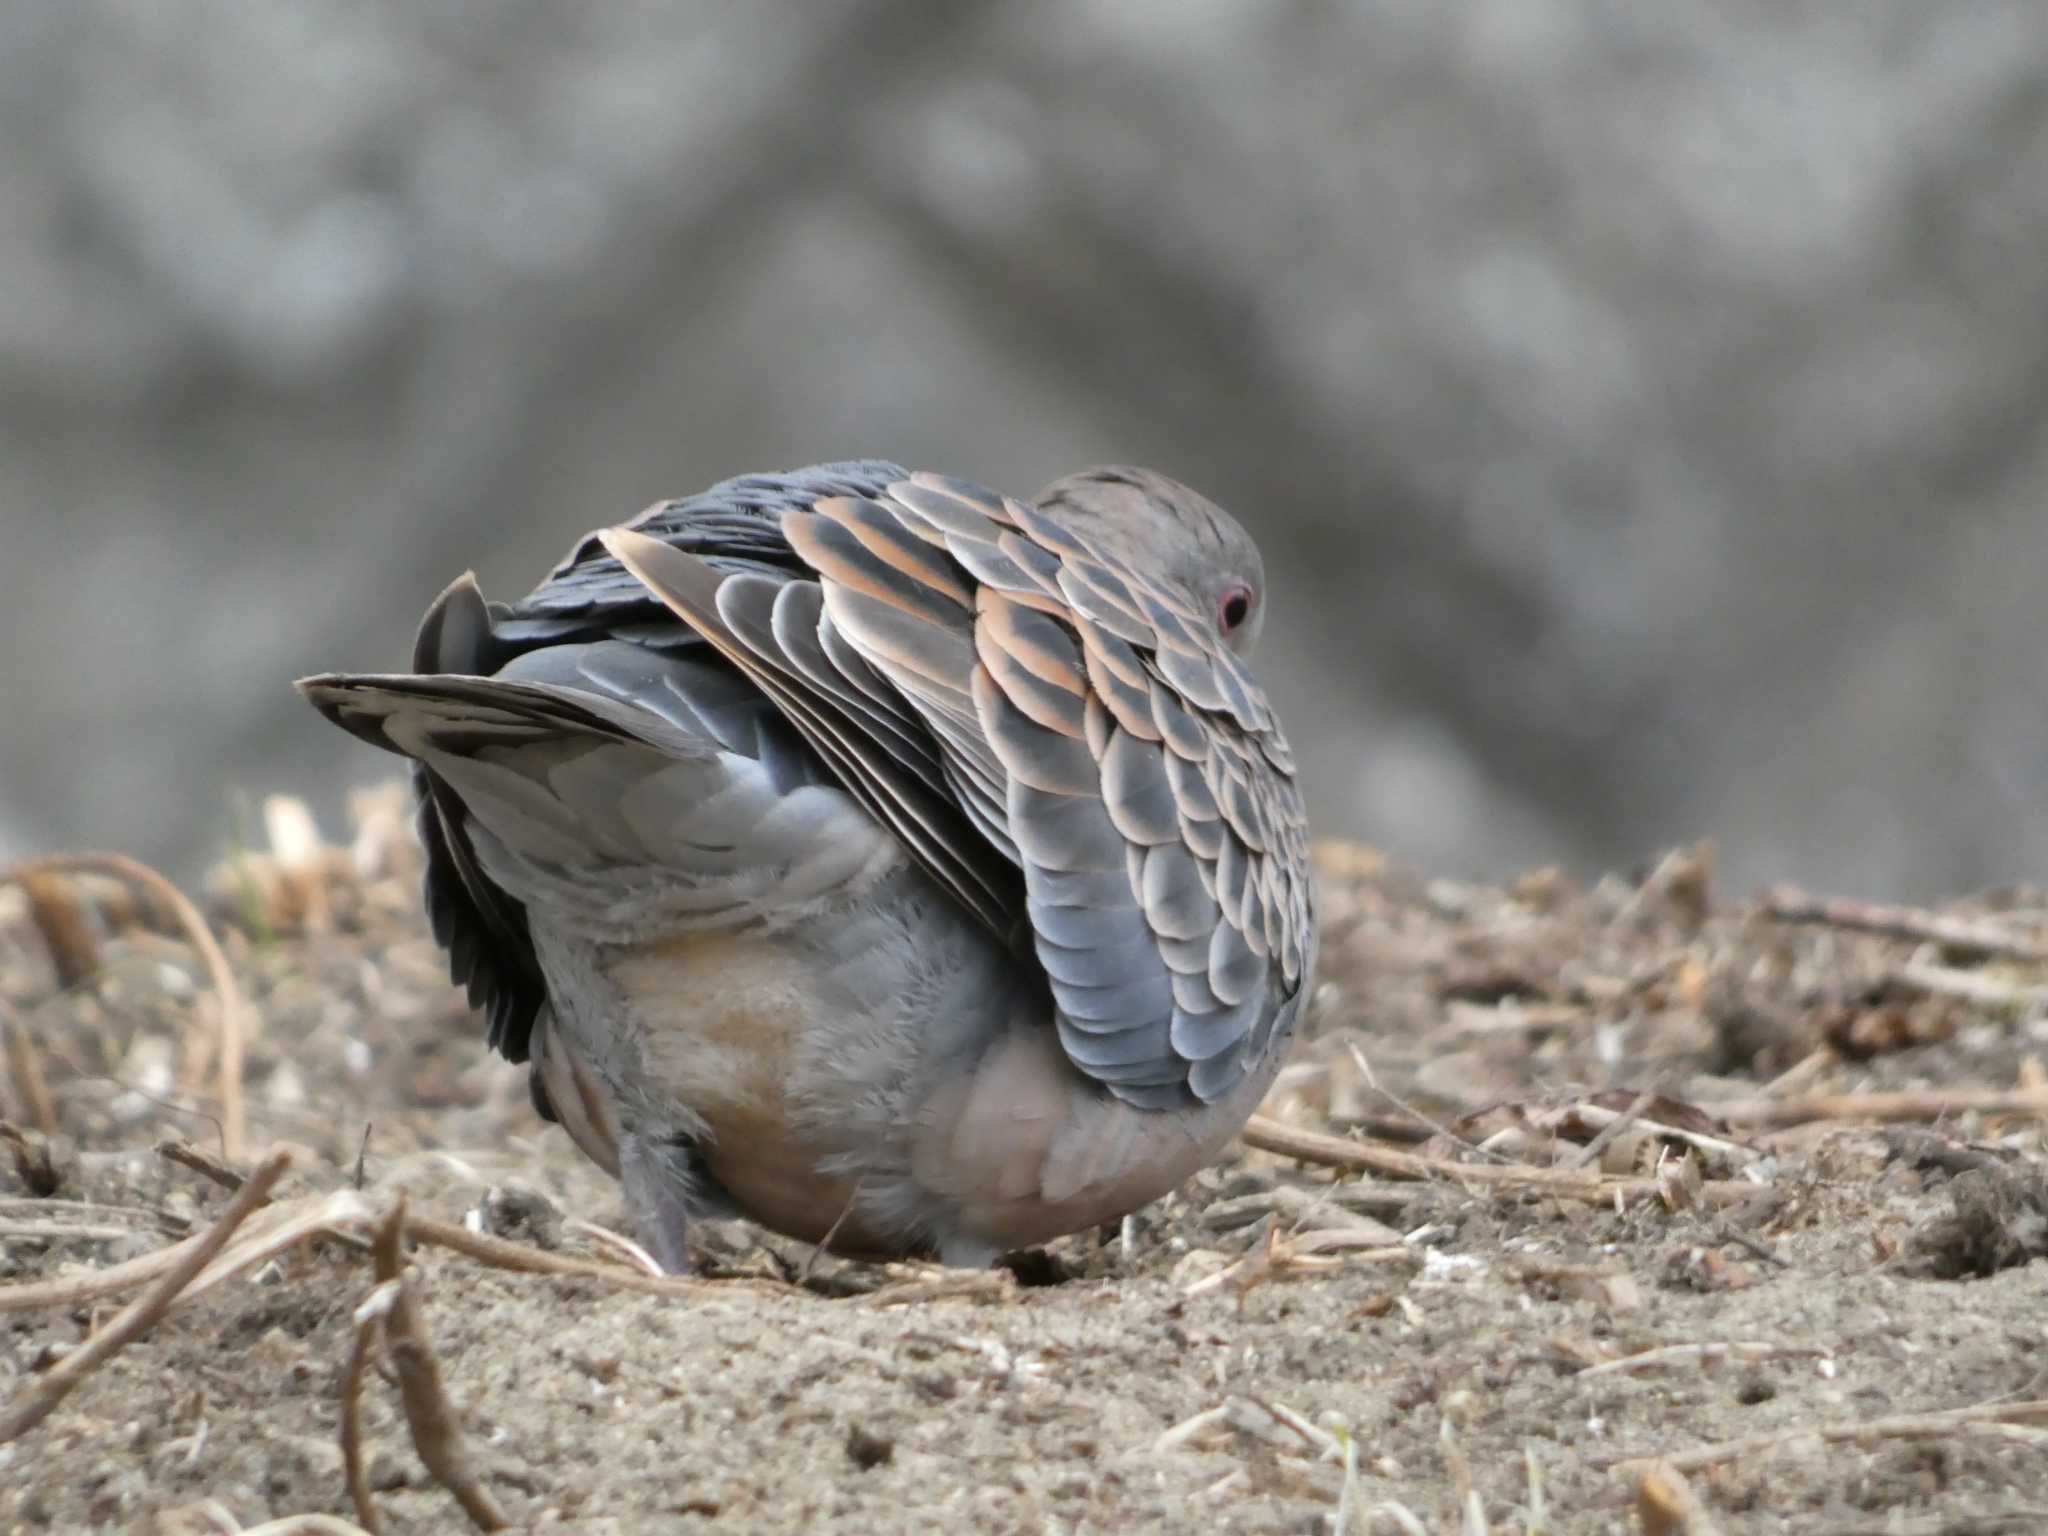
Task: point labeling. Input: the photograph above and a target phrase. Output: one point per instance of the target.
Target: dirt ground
(1745, 1186)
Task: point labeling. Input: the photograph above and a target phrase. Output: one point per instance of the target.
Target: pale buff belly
(1028, 1151)
(722, 1022)
(1013, 1150)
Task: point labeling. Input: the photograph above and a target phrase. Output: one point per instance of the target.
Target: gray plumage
(889, 861)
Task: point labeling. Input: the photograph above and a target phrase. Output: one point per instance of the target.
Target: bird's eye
(1234, 608)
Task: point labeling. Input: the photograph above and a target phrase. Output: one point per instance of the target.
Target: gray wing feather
(1176, 904)
(606, 814)
(736, 614)
(1136, 791)
(1199, 1036)
(1119, 757)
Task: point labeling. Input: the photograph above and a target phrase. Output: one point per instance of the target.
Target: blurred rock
(1642, 409)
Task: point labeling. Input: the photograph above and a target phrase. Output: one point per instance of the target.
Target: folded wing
(1010, 700)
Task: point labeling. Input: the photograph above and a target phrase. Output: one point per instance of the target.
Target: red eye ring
(1233, 607)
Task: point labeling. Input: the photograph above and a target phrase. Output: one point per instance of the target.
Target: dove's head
(1173, 538)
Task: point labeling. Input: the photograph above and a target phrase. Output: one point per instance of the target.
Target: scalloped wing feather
(1129, 765)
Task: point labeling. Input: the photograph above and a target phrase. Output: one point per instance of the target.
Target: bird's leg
(656, 1176)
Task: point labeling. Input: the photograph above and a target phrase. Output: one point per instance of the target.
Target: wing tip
(323, 688)
(325, 691)
(629, 547)
(455, 634)
(680, 581)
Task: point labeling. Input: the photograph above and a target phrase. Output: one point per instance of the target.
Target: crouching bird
(898, 865)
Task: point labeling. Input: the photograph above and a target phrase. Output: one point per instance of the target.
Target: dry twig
(186, 1155)
(110, 1280)
(25, 1066)
(1616, 1121)
(1703, 1354)
(1180, 1434)
(2002, 1420)
(1789, 904)
(921, 1285)
(62, 1230)
(1408, 1111)
(50, 1389)
(271, 1233)
(1277, 1257)
(1613, 1122)
(1801, 1072)
(1970, 986)
(136, 1215)
(60, 919)
(436, 1432)
(1930, 1104)
(1565, 1184)
(1314, 1436)
(369, 1322)
(233, 1026)
(500, 1254)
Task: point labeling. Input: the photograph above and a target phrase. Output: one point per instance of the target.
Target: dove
(906, 868)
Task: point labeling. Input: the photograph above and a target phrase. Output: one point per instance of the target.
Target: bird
(912, 870)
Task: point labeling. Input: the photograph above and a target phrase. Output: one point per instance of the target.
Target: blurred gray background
(1642, 407)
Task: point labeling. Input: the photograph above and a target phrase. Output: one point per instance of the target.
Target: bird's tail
(428, 715)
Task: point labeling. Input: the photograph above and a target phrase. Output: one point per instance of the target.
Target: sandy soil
(1749, 1248)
